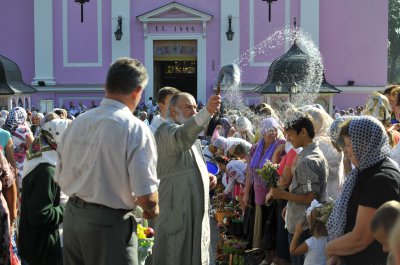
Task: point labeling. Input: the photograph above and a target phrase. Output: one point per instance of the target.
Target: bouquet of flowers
(268, 174)
(145, 242)
(234, 246)
(325, 212)
(145, 236)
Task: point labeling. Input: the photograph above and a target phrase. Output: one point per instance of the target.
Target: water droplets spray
(307, 84)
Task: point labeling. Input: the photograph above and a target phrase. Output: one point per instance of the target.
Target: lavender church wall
(353, 41)
(17, 36)
(353, 38)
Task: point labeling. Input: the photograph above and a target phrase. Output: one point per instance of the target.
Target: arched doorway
(175, 64)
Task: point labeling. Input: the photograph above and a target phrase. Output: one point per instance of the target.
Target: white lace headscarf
(370, 146)
(322, 120)
(243, 124)
(232, 118)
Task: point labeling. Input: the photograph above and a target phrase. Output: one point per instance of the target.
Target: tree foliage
(394, 40)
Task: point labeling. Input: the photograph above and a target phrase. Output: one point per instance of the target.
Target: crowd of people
(70, 180)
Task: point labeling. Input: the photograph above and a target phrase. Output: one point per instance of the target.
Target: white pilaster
(230, 50)
(309, 14)
(43, 28)
(10, 103)
(331, 104)
(121, 48)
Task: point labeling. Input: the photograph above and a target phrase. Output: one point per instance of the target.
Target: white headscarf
(243, 124)
(322, 120)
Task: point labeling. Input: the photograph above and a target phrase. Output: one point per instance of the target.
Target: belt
(84, 204)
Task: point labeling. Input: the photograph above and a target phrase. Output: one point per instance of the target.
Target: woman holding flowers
(269, 148)
(374, 180)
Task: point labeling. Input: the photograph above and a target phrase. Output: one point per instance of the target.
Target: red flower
(35, 147)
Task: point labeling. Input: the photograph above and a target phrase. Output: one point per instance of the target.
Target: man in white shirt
(143, 117)
(72, 109)
(81, 107)
(164, 95)
(114, 172)
(149, 103)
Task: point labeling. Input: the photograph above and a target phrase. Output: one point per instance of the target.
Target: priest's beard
(179, 118)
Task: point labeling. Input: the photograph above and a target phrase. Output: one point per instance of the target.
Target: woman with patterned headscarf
(269, 148)
(374, 180)
(378, 107)
(42, 207)
(21, 135)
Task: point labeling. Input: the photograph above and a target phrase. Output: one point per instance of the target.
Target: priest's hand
(213, 104)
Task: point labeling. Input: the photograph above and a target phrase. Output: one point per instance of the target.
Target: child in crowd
(309, 176)
(313, 247)
(235, 170)
(394, 245)
(383, 222)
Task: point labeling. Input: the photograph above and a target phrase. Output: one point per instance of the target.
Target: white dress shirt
(107, 156)
(156, 122)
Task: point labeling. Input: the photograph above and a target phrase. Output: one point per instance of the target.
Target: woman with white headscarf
(322, 124)
(374, 180)
(41, 208)
(244, 129)
(269, 148)
(223, 145)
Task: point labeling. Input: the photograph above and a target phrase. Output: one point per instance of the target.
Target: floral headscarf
(43, 148)
(16, 117)
(370, 146)
(378, 106)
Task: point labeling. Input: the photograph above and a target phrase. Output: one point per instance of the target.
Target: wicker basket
(219, 216)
